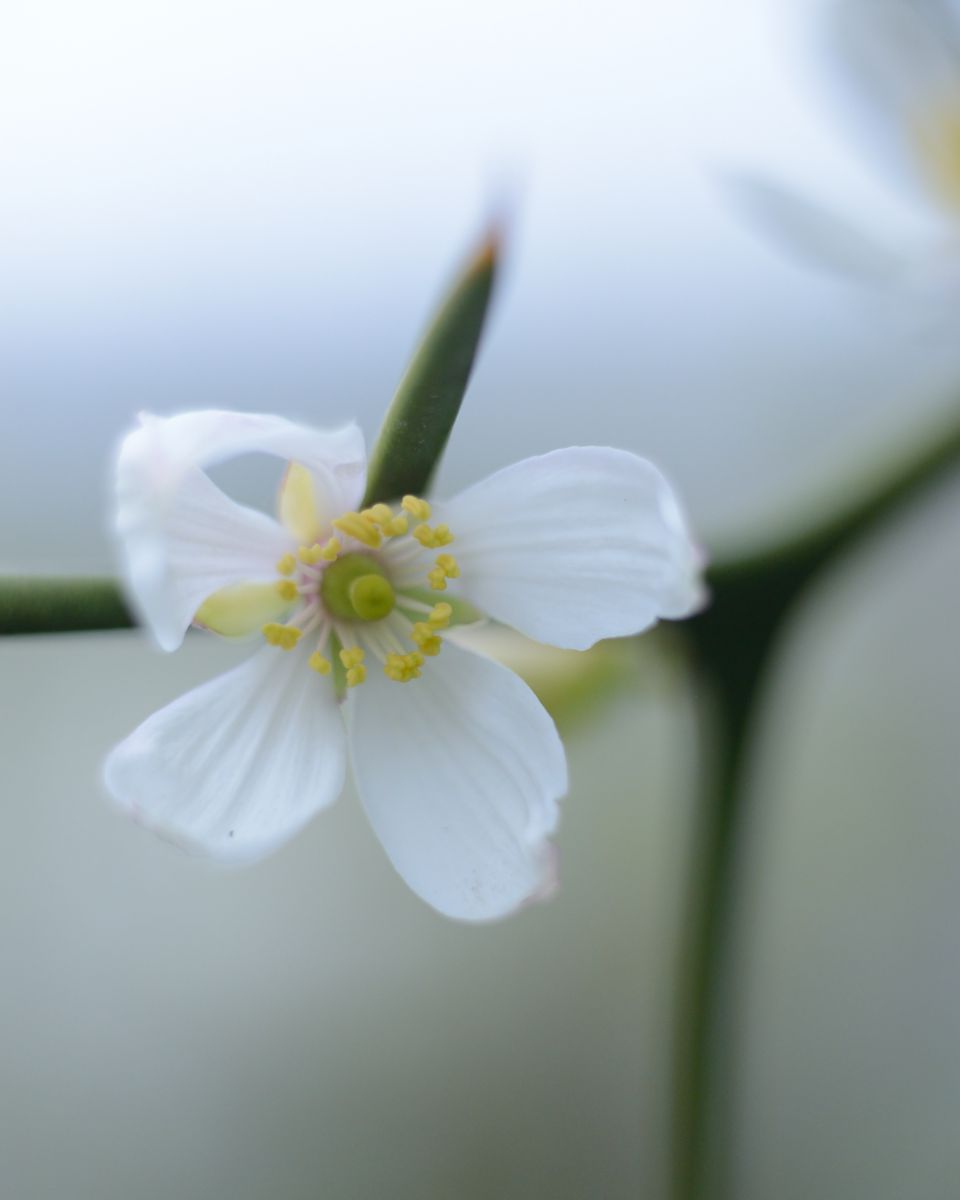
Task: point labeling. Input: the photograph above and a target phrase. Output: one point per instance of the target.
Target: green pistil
(356, 588)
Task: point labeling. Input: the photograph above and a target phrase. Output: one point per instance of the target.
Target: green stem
(733, 642)
(703, 1053)
(61, 604)
(887, 486)
(697, 1122)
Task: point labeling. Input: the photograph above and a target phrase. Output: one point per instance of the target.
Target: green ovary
(356, 588)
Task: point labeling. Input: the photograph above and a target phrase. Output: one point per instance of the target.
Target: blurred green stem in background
(61, 604)
(730, 646)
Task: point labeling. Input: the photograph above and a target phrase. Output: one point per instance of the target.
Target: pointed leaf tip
(425, 407)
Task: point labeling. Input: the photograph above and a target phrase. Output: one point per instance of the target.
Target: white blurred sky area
(255, 205)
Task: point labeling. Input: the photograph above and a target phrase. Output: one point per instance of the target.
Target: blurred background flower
(252, 206)
(898, 61)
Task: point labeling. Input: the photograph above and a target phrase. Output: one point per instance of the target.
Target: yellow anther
(310, 554)
(286, 565)
(425, 536)
(352, 657)
(425, 637)
(437, 579)
(382, 516)
(395, 527)
(284, 636)
(403, 667)
(440, 615)
(419, 509)
(449, 565)
(330, 549)
(379, 514)
(287, 589)
(320, 664)
(356, 675)
(361, 527)
(432, 539)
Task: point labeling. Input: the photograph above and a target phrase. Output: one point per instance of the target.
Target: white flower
(901, 60)
(461, 769)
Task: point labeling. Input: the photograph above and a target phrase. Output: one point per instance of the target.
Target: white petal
(239, 765)
(818, 237)
(459, 772)
(900, 62)
(575, 546)
(182, 539)
(178, 550)
(212, 436)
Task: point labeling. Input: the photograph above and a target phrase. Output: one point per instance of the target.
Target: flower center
(361, 591)
(356, 587)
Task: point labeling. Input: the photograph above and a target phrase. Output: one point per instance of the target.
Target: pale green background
(254, 205)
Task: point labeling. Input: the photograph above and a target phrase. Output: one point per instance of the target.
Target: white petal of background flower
(240, 764)
(574, 546)
(818, 236)
(899, 60)
(460, 776)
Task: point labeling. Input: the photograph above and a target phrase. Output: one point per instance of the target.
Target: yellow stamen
(424, 535)
(426, 638)
(440, 615)
(284, 636)
(432, 539)
(330, 549)
(352, 657)
(310, 554)
(437, 579)
(361, 527)
(418, 509)
(382, 516)
(286, 565)
(403, 667)
(320, 664)
(379, 514)
(287, 589)
(449, 565)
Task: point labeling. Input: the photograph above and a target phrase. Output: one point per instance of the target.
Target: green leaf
(421, 416)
